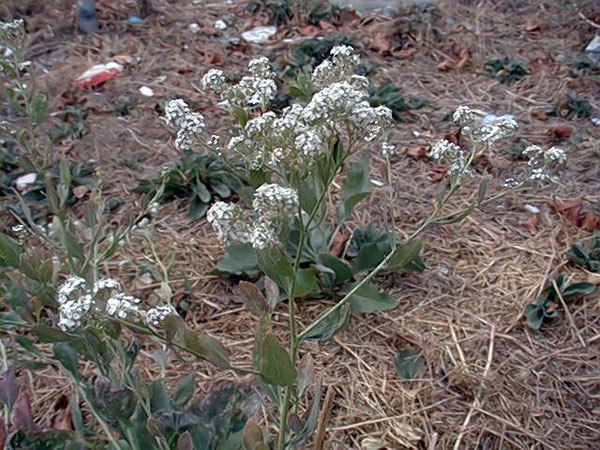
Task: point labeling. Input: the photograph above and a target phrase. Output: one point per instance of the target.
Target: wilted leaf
(22, 418)
(253, 297)
(306, 374)
(207, 348)
(185, 442)
(532, 223)
(276, 366)
(9, 389)
(253, 438)
(409, 364)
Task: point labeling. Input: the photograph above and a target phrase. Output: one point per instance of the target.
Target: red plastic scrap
(98, 74)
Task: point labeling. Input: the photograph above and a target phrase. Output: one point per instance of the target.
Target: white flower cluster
(541, 161)
(255, 90)
(155, 316)
(271, 207)
(190, 124)
(293, 141)
(78, 304)
(339, 67)
(487, 133)
(12, 33)
(228, 221)
(458, 159)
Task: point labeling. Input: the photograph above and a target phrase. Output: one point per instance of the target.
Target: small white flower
(156, 316)
(228, 221)
(261, 68)
(538, 174)
(510, 183)
(442, 149)
(463, 116)
(388, 149)
(555, 156)
(122, 306)
(214, 80)
(70, 286)
(175, 111)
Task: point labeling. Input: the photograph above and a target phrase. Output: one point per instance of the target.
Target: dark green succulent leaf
(582, 288)
(253, 438)
(207, 348)
(535, 316)
(306, 282)
(370, 255)
(275, 264)
(50, 335)
(409, 364)
(356, 187)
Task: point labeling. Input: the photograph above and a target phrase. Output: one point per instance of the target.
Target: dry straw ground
(490, 381)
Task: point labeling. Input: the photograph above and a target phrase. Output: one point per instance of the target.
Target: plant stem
(101, 421)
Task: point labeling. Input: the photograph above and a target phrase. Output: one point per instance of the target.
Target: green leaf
(409, 364)
(38, 110)
(196, 207)
(369, 256)
(202, 192)
(241, 115)
(404, 255)
(9, 250)
(222, 190)
(582, 288)
(68, 357)
(74, 248)
(274, 263)
(535, 316)
(64, 186)
(276, 367)
(330, 326)
(10, 320)
(159, 400)
(306, 282)
(207, 348)
(239, 259)
(50, 335)
(184, 390)
(370, 299)
(356, 187)
(340, 268)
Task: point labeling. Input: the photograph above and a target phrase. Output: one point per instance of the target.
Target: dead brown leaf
(406, 53)
(465, 57)
(576, 212)
(80, 191)
(539, 114)
(445, 66)
(532, 223)
(438, 172)
(123, 59)
(381, 44)
(309, 30)
(339, 244)
(532, 24)
(415, 152)
(560, 132)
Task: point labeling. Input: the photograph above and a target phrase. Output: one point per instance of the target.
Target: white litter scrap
(532, 209)
(194, 27)
(259, 35)
(593, 48)
(220, 25)
(146, 91)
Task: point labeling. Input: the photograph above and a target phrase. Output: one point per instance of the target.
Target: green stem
(101, 421)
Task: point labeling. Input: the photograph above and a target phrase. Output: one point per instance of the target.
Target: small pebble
(220, 25)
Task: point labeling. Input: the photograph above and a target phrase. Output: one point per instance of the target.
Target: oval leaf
(276, 366)
(409, 364)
